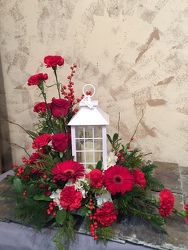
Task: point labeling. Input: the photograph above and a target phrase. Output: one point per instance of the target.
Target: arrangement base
(132, 229)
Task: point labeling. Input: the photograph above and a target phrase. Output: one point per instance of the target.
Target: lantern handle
(87, 98)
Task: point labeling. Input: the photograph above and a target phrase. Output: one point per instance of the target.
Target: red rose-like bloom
(68, 170)
(186, 207)
(106, 215)
(35, 79)
(139, 178)
(186, 219)
(96, 178)
(59, 107)
(70, 199)
(41, 140)
(53, 61)
(61, 141)
(166, 202)
(118, 179)
(41, 107)
(34, 159)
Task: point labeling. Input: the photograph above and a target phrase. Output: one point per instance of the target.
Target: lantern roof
(89, 115)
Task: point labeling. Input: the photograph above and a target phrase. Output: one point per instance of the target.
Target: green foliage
(18, 185)
(114, 141)
(152, 183)
(60, 216)
(41, 197)
(105, 233)
(32, 134)
(33, 212)
(66, 234)
(99, 165)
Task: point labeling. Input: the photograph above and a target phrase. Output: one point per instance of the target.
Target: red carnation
(61, 141)
(118, 179)
(59, 107)
(36, 155)
(186, 207)
(70, 199)
(166, 202)
(106, 215)
(36, 159)
(41, 107)
(186, 219)
(36, 79)
(68, 170)
(41, 140)
(139, 178)
(53, 61)
(96, 178)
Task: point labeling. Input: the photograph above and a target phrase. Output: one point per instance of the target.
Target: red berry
(90, 217)
(122, 159)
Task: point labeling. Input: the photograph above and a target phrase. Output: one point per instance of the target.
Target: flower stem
(57, 83)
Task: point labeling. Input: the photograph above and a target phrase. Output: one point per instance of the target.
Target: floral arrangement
(52, 188)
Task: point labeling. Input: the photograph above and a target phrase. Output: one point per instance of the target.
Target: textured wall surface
(134, 52)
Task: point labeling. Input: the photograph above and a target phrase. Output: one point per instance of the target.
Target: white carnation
(111, 159)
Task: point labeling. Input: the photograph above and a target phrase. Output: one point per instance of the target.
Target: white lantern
(88, 132)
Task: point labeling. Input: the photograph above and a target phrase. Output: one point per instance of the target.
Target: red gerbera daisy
(118, 179)
(68, 170)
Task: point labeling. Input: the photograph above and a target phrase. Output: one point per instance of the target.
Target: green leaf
(90, 167)
(109, 138)
(31, 134)
(99, 165)
(19, 200)
(42, 198)
(115, 137)
(18, 185)
(29, 189)
(60, 216)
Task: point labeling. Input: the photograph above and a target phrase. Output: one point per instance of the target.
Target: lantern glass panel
(89, 144)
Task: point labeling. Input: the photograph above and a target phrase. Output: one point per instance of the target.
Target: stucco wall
(134, 52)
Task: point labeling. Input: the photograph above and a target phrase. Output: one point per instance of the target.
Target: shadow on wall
(5, 147)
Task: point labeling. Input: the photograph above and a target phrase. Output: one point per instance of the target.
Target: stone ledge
(135, 230)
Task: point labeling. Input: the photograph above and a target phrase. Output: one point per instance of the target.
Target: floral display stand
(133, 229)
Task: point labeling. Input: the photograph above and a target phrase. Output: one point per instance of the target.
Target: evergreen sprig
(66, 234)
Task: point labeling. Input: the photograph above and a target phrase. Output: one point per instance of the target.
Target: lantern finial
(87, 97)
